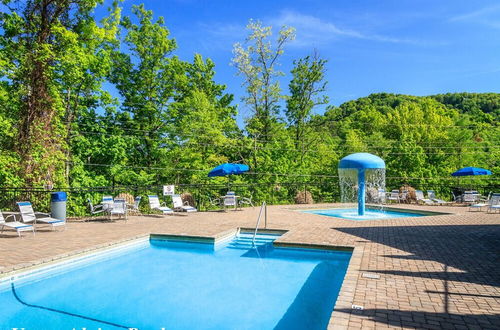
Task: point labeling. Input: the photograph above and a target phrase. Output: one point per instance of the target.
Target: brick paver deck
(437, 272)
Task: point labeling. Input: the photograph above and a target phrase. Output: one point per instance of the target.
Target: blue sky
(417, 47)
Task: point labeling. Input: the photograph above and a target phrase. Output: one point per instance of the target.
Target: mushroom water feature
(361, 178)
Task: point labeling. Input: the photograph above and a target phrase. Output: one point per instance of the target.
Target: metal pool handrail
(263, 207)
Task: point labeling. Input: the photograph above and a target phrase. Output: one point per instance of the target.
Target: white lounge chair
(154, 204)
(95, 209)
(479, 206)
(137, 202)
(245, 201)
(494, 204)
(28, 215)
(382, 196)
(18, 226)
(394, 196)
(432, 196)
(470, 197)
(180, 206)
(419, 194)
(230, 200)
(107, 203)
(119, 208)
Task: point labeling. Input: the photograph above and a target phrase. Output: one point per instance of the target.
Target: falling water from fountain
(362, 180)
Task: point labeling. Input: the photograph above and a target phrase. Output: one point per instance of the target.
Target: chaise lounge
(29, 215)
(154, 204)
(18, 226)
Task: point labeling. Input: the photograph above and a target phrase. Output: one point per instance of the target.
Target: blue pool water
(370, 214)
(175, 285)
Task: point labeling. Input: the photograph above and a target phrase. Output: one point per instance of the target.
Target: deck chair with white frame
(494, 203)
(95, 209)
(154, 204)
(28, 215)
(393, 196)
(119, 208)
(180, 206)
(481, 204)
(230, 201)
(107, 203)
(18, 226)
(137, 202)
(432, 196)
(419, 194)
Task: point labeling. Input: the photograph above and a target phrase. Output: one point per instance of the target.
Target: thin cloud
(312, 30)
(488, 16)
(476, 14)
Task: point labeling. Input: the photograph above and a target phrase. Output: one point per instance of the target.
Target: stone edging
(27, 266)
(339, 319)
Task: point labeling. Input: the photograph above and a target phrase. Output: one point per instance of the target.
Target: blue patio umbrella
(469, 171)
(228, 169)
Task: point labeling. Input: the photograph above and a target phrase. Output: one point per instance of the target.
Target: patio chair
(479, 206)
(494, 204)
(382, 196)
(135, 206)
(179, 206)
(470, 197)
(245, 201)
(432, 196)
(419, 194)
(95, 209)
(154, 204)
(119, 208)
(403, 197)
(107, 202)
(394, 196)
(28, 215)
(18, 226)
(229, 201)
(217, 202)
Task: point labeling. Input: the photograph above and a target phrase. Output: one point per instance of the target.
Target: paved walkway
(436, 272)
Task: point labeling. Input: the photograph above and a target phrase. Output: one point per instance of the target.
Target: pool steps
(243, 241)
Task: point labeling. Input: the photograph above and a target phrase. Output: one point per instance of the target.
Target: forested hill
(476, 104)
(483, 107)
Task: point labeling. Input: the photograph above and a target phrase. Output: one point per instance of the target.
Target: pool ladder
(262, 208)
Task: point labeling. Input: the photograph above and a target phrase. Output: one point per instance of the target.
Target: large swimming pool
(179, 285)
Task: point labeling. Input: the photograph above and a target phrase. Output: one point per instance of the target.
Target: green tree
(257, 64)
(144, 77)
(41, 44)
(306, 91)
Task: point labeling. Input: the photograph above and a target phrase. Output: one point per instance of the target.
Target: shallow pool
(179, 285)
(370, 214)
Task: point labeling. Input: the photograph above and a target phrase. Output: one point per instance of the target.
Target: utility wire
(304, 150)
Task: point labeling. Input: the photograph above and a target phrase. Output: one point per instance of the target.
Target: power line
(310, 150)
(268, 173)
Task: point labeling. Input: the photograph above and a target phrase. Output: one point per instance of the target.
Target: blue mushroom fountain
(359, 173)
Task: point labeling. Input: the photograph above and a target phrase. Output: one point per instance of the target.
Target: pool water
(370, 214)
(179, 285)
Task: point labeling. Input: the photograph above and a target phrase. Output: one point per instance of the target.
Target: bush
(304, 197)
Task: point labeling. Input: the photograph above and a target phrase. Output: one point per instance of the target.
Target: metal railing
(263, 207)
(324, 190)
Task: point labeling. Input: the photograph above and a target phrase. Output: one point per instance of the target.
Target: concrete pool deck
(434, 272)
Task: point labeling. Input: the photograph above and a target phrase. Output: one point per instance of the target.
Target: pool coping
(339, 319)
(46, 264)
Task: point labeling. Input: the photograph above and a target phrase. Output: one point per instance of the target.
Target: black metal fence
(326, 190)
